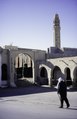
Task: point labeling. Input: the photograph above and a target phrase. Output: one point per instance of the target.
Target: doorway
(56, 73)
(68, 77)
(43, 76)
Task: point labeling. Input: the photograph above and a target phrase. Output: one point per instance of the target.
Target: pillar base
(12, 84)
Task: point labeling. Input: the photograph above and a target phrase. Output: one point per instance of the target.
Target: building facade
(19, 66)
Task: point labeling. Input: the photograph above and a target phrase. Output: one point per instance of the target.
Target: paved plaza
(35, 103)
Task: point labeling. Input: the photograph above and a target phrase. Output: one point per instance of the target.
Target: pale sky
(29, 23)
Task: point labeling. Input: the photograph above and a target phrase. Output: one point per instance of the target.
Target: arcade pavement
(35, 103)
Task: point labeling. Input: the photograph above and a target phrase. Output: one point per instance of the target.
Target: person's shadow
(71, 108)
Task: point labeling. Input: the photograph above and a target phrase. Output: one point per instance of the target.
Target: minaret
(56, 22)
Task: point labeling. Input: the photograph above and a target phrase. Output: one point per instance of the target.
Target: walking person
(62, 91)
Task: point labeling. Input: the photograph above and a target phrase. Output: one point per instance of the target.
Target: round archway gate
(4, 75)
(23, 69)
(68, 76)
(43, 80)
(4, 72)
(56, 73)
(75, 76)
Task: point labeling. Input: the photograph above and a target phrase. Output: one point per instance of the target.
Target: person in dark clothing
(62, 91)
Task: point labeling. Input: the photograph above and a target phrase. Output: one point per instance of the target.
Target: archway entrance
(56, 73)
(4, 76)
(68, 77)
(43, 76)
(4, 72)
(0, 70)
(24, 68)
(75, 76)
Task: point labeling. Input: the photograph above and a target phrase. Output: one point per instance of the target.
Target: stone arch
(4, 72)
(75, 76)
(23, 69)
(43, 72)
(4, 76)
(55, 74)
(68, 76)
(23, 65)
(43, 76)
(0, 69)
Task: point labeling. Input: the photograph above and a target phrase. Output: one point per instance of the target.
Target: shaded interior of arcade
(55, 74)
(23, 69)
(23, 66)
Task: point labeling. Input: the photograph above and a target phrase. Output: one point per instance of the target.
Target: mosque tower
(57, 42)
